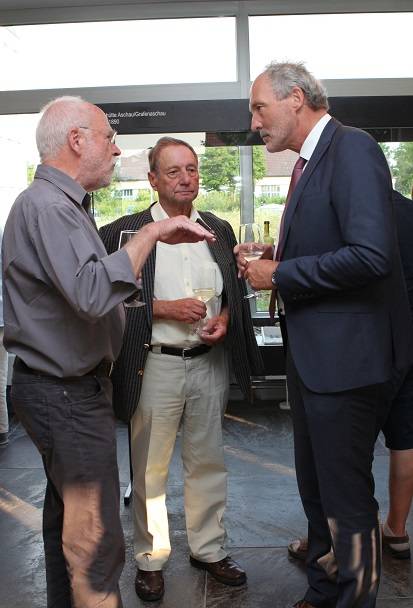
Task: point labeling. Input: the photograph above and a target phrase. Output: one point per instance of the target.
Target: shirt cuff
(119, 268)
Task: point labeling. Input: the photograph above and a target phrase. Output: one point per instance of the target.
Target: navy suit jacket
(347, 313)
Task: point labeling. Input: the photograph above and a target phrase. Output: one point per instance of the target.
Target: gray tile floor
(263, 515)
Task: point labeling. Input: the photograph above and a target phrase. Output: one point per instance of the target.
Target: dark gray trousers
(334, 437)
(72, 424)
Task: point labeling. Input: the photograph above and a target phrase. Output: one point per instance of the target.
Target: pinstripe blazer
(240, 340)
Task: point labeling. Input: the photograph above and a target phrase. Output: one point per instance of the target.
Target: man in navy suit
(345, 314)
(398, 428)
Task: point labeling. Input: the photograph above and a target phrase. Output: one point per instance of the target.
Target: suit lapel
(320, 149)
(216, 248)
(148, 272)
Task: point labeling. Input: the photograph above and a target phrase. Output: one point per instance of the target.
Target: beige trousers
(194, 391)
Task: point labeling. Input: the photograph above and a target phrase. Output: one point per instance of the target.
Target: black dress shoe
(225, 571)
(149, 585)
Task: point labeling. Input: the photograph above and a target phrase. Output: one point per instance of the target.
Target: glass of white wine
(204, 289)
(250, 237)
(135, 299)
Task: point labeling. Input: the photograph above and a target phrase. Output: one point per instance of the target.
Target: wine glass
(135, 299)
(204, 289)
(253, 246)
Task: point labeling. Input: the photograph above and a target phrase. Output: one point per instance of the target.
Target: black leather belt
(185, 353)
(104, 368)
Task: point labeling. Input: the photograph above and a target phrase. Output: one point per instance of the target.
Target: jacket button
(140, 372)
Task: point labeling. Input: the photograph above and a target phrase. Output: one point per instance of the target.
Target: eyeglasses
(110, 137)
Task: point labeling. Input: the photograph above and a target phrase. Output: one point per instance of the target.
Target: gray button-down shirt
(62, 292)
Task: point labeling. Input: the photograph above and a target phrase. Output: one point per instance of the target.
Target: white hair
(58, 117)
(284, 76)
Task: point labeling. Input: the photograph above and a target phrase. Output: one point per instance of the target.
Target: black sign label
(178, 116)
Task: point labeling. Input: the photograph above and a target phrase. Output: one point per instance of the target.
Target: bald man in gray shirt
(64, 320)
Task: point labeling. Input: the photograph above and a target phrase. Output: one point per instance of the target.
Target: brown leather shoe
(298, 548)
(149, 585)
(303, 604)
(225, 571)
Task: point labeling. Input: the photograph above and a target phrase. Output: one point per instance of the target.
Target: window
(157, 51)
(131, 192)
(338, 43)
(125, 193)
(220, 188)
(18, 155)
(269, 190)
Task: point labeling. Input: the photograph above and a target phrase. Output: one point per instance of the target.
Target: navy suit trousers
(334, 438)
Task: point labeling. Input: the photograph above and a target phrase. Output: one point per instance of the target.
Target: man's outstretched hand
(181, 230)
(172, 231)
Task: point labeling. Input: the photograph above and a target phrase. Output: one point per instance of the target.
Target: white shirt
(313, 137)
(175, 269)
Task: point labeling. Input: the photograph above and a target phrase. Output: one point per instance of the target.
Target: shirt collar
(63, 181)
(158, 213)
(312, 138)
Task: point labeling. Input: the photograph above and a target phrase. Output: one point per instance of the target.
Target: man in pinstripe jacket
(168, 373)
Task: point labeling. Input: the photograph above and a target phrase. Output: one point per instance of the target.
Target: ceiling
(35, 4)
(282, 5)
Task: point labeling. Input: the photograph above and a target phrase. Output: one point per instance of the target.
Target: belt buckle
(185, 357)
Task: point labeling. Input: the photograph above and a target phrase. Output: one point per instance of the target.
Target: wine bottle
(267, 238)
